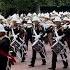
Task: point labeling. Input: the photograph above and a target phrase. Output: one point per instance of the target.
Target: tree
(29, 5)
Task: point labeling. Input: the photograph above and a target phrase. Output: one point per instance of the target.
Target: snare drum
(38, 46)
(58, 47)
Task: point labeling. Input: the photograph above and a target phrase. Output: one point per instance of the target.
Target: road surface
(38, 66)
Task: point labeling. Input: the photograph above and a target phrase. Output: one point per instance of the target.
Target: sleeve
(6, 44)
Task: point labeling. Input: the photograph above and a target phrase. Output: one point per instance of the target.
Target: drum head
(38, 46)
(58, 47)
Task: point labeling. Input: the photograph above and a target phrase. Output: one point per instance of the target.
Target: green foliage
(29, 5)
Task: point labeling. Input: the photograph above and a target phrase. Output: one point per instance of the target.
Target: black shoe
(23, 61)
(43, 63)
(31, 65)
(65, 67)
(51, 68)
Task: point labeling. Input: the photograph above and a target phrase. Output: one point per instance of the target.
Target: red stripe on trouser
(11, 58)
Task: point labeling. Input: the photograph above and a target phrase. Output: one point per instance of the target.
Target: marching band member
(19, 37)
(36, 21)
(66, 27)
(29, 32)
(23, 48)
(15, 26)
(49, 28)
(4, 48)
(63, 55)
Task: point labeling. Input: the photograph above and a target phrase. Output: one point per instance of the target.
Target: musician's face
(29, 24)
(46, 19)
(35, 22)
(2, 34)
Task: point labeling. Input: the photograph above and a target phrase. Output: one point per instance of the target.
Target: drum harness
(20, 44)
(37, 39)
(57, 39)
